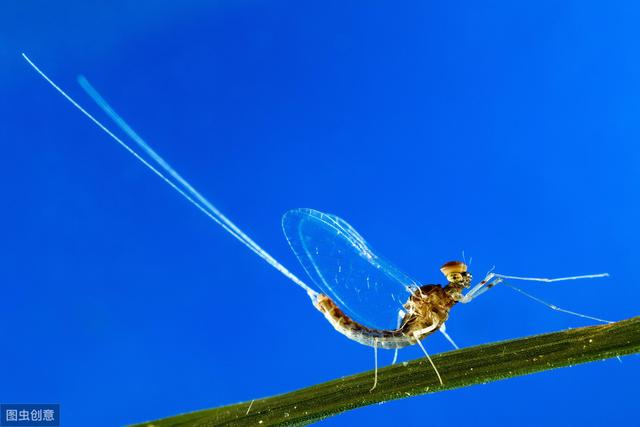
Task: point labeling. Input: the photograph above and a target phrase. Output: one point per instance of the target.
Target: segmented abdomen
(360, 333)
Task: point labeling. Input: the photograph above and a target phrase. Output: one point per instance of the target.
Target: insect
(368, 299)
(364, 297)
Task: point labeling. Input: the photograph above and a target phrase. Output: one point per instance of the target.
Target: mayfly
(363, 296)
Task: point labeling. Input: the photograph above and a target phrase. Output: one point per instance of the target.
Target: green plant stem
(460, 368)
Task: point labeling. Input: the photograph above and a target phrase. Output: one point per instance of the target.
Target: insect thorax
(427, 309)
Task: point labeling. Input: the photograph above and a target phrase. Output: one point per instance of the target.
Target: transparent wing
(368, 288)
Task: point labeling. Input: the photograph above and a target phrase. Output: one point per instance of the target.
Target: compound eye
(453, 267)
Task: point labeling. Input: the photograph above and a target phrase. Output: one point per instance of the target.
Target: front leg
(481, 288)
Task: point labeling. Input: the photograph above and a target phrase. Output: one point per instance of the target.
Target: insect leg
(375, 364)
(485, 288)
(415, 335)
(555, 307)
(485, 284)
(401, 314)
(395, 356)
(557, 279)
(481, 288)
(443, 329)
(249, 408)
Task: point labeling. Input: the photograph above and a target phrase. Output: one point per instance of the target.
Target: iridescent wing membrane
(366, 287)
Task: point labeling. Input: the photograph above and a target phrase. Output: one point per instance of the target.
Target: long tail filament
(171, 178)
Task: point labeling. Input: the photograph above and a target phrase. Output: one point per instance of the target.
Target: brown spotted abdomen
(353, 330)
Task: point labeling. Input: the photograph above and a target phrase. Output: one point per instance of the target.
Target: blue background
(509, 131)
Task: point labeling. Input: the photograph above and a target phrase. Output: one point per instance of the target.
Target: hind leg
(429, 358)
(443, 330)
(401, 315)
(375, 364)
